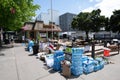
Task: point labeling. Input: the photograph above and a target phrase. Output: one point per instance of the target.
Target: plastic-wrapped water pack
(88, 66)
(101, 62)
(58, 57)
(49, 60)
(84, 58)
(76, 67)
(96, 65)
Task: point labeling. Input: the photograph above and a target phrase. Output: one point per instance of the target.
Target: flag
(51, 47)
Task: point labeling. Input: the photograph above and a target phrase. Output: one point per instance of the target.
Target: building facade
(46, 17)
(39, 29)
(65, 21)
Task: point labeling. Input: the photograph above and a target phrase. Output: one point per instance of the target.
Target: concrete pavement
(15, 64)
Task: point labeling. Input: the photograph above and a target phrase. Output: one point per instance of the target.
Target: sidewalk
(15, 64)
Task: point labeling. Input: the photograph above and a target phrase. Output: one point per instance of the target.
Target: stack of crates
(76, 67)
(58, 57)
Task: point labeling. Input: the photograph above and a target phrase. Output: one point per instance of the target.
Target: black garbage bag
(35, 49)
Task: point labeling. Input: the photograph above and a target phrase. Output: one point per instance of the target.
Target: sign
(43, 35)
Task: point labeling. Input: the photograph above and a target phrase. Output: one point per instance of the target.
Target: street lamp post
(68, 31)
(52, 19)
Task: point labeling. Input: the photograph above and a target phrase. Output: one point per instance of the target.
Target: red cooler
(106, 52)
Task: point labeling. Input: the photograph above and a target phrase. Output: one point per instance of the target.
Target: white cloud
(88, 9)
(106, 6)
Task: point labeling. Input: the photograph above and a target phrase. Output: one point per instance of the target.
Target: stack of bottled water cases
(58, 57)
(88, 65)
(84, 58)
(76, 67)
(96, 65)
(100, 64)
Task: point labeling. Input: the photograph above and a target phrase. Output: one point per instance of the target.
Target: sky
(77, 6)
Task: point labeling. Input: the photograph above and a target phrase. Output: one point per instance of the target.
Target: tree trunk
(87, 36)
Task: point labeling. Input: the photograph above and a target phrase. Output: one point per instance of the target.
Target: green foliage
(115, 21)
(107, 24)
(89, 21)
(15, 12)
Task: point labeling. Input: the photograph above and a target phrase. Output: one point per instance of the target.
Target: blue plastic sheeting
(58, 57)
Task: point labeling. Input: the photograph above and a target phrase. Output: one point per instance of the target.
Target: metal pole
(52, 19)
(93, 50)
(118, 47)
(105, 43)
(68, 32)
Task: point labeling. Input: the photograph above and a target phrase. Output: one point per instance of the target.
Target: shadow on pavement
(4, 47)
(70, 77)
(52, 71)
(2, 54)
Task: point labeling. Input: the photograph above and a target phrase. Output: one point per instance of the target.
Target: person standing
(30, 44)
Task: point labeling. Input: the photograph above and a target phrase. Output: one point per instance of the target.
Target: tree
(98, 20)
(107, 24)
(89, 21)
(115, 21)
(15, 12)
(82, 22)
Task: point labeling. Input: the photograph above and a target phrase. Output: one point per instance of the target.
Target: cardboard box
(66, 71)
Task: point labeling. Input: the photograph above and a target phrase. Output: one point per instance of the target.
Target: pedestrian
(30, 44)
(12, 41)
